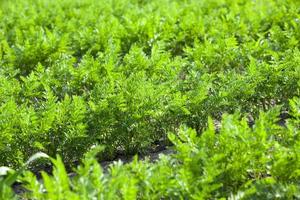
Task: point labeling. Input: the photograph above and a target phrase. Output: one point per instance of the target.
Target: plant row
(237, 162)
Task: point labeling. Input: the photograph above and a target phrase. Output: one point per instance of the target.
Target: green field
(86, 81)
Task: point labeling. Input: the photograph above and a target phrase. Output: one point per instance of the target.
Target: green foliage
(124, 73)
(75, 74)
(8, 176)
(238, 162)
